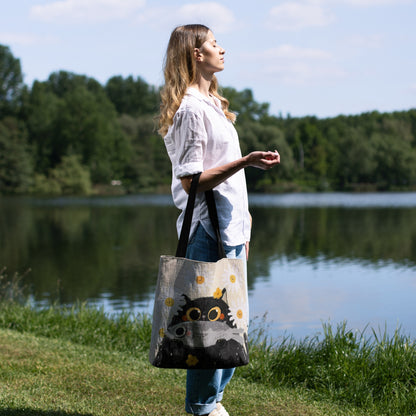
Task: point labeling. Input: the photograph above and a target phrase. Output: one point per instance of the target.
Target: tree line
(72, 135)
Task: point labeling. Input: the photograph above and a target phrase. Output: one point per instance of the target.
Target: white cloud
(85, 10)
(298, 15)
(294, 53)
(304, 73)
(370, 3)
(214, 15)
(298, 66)
(26, 39)
(359, 3)
(373, 41)
(219, 18)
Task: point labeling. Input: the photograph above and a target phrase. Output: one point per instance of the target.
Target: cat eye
(193, 314)
(214, 313)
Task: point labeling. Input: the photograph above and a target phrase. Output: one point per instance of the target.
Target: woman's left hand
(262, 160)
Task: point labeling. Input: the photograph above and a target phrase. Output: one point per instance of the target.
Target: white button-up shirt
(200, 138)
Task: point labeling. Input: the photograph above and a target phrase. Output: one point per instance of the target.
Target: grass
(376, 373)
(43, 376)
(11, 288)
(82, 361)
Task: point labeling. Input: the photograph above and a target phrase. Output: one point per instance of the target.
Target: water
(300, 295)
(314, 257)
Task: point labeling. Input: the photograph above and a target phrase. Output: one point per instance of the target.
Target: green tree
(11, 82)
(132, 96)
(355, 159)
(149, 166)
(243, 103)
(63, 82)
(71, 115)
(314, 148)
(396, 161)
(41, 113)
(15, 161)
(70, 177)
(257, 136)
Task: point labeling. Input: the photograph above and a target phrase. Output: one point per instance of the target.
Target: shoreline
(344, 370)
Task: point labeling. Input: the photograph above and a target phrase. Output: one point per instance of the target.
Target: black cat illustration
(202, 334)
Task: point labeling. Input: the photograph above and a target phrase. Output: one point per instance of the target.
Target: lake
(314, 258)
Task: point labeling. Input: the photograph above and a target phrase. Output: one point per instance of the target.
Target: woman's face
(210, 58)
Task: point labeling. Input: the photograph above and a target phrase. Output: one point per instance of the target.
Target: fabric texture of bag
(200, 314)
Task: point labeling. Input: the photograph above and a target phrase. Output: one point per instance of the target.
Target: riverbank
(42, 376)
(80, 361)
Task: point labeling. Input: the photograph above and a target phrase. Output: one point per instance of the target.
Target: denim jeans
(204, 388)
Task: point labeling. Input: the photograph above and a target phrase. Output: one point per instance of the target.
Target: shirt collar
(195, 93)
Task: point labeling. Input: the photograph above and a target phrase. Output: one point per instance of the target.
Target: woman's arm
(211, 178)
(248, 242)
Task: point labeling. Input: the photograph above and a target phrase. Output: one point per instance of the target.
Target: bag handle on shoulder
(187, 221)
(212, 210)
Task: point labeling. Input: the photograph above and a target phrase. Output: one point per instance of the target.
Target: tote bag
(200, 315)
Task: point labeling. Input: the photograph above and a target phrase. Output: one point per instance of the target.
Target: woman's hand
(263, 160)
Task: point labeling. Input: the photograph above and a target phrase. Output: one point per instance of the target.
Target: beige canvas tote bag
(200, 315)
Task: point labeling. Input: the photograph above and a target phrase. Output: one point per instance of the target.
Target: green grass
(83, 325)
(43, 376)
(376, 373)
(342, 372)
(11, 287)
(82, 361)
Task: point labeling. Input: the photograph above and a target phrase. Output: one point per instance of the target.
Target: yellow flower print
(233, 278)
(192, 361)
(239, 314)
(161, 332)
(218, 293)
(200, 279)
(169, 302)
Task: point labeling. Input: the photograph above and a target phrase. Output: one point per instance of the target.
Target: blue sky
(304, 57)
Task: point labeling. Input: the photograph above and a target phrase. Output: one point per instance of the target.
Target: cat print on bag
(199, 333)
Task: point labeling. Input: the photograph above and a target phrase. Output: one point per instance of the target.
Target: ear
(198, 55)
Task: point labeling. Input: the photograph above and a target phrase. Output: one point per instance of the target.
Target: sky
(303, 57)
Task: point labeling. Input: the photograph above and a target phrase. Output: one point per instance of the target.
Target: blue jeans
(204, 388)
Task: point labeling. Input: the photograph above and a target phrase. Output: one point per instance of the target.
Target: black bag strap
(212, 210)
(187, 221)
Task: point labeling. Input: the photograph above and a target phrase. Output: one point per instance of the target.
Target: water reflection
(79, 252)
(334, 257)
(301, 294)
(359, 234)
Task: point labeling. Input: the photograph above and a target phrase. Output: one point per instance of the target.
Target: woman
(200, 137)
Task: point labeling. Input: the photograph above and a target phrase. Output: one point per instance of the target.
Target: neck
(202, 84)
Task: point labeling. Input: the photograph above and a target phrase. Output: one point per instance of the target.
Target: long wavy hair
(180, 72)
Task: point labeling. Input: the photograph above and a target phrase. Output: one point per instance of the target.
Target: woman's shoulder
(190, 107)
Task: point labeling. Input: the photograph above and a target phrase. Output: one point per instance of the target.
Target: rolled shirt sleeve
(190, 138)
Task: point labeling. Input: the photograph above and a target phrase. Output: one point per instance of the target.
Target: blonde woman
(199, 135)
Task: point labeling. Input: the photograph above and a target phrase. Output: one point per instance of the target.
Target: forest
(71, 135)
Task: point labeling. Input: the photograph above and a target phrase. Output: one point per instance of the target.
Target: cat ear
(223, 293)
